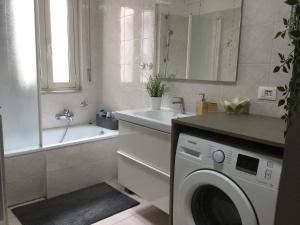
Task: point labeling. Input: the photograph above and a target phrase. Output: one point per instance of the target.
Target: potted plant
(156, 89)
(290, 62)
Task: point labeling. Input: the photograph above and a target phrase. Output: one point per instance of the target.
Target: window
(58, 44)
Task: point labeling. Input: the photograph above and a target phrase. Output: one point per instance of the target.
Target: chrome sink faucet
(65, 115)
(180, 101)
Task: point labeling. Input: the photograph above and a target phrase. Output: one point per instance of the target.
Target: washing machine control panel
(218, 156)
(247, 164)
(236, 162)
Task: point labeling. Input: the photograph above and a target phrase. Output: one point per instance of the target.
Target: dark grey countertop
(260, 129)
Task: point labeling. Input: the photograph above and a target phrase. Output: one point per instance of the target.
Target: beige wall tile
(25, 177)
(79, 166)
(258, 53)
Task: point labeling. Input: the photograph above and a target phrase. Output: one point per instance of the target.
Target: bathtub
(75, 135)
(87, 156)
(52, 138)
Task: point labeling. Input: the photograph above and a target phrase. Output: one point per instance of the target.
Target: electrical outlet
(267, 93)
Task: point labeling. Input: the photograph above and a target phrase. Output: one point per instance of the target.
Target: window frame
(45, 51)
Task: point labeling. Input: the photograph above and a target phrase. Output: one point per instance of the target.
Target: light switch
(267, 93)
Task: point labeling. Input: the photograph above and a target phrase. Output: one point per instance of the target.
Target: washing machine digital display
(247, 164)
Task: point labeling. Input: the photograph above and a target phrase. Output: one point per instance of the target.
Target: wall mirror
(198, 39)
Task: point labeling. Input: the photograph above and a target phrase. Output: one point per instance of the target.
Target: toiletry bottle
(202, 105)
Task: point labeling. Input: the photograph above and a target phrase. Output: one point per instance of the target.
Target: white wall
(258, 54)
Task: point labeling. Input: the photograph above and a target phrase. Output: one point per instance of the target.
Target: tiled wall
(74, 167)
(258, 54)
(55, 103)
(127, 39)
(25, 181)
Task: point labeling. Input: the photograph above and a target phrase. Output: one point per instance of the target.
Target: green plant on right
(155, 86)
(290, 62)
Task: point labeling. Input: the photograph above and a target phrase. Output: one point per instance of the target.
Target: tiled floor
(143, 214)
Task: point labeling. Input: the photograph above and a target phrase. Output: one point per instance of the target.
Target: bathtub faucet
(65, 115)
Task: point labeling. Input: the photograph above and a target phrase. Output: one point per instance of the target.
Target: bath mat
(83, 207)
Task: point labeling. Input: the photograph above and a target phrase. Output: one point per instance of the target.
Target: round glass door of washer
(210, 198)
(211, 206)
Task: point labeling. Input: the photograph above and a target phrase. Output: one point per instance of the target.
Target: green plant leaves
(281, 34)
(286, 62)
(290, 92)
(295, 34)
(281, 102)
(278, 34)
(276, 69)
(282, 57)
(281, 89)
(291, 2)
(155, 86)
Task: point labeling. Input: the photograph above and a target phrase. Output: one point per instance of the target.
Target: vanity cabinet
(144, 163)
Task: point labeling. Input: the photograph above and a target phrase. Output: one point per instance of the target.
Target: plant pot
(155, 103)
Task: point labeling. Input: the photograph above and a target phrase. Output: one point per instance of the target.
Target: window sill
(61, 91)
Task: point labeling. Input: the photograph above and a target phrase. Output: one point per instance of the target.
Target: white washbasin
(156, 119)
(164, 116)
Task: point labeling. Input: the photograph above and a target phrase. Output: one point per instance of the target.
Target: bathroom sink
(161, 115)
(156, 119)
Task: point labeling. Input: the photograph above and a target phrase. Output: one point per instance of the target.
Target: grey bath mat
(83, 207)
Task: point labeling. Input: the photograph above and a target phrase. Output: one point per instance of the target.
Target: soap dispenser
(202, 105)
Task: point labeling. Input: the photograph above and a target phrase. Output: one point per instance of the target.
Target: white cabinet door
(144, 163)
(147, 145)
(149, 183)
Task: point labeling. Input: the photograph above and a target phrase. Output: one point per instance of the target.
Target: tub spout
(65, 115)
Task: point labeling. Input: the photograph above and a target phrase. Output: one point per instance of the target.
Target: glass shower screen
(18, 75)
(3, 219)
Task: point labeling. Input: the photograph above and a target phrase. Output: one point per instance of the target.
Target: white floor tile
(146, 216)
(12, 220)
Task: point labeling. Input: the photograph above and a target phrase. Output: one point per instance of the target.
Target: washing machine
(217, 183)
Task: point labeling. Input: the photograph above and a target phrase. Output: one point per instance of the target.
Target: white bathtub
(87, 156)
(75, 135)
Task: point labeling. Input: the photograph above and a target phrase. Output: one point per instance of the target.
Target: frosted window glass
(60, 40)
(18, 79)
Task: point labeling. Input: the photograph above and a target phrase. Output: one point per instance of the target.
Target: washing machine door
(210, 198)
